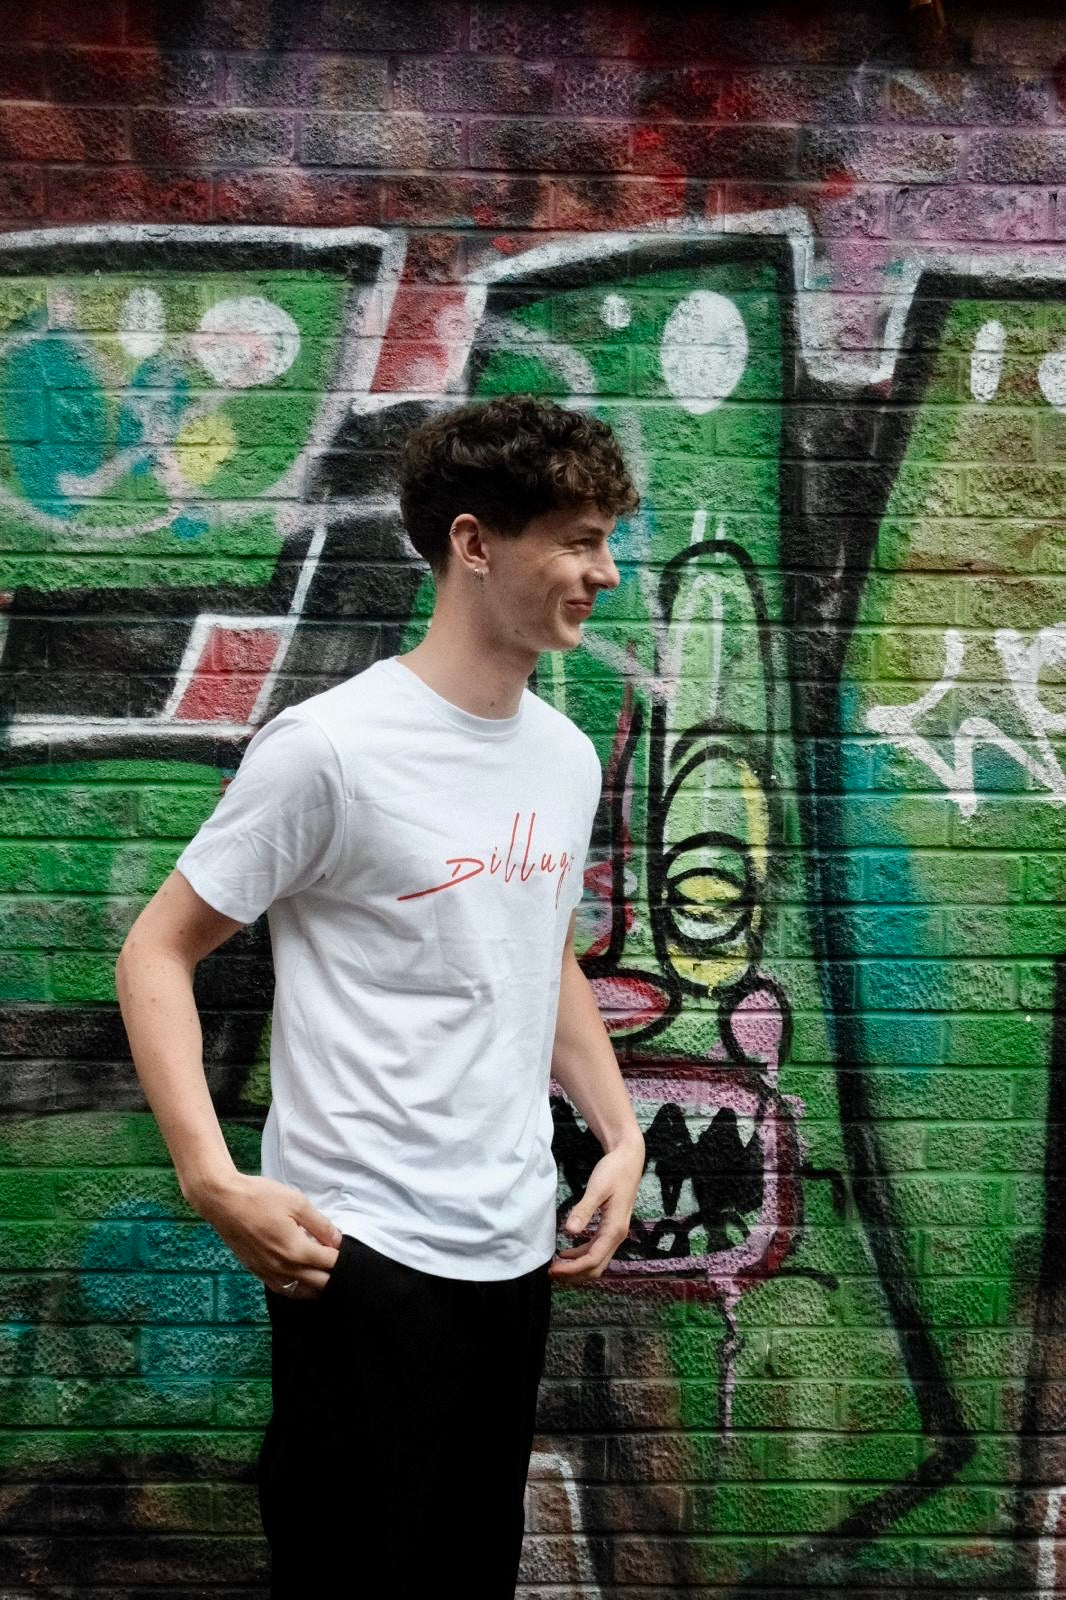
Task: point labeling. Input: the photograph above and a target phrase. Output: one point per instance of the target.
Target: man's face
(544, 583)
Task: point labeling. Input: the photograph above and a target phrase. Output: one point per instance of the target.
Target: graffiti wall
(805, 262)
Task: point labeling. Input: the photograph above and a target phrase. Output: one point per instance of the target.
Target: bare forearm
(272, 1229)
(584, 1064)
(155, 995)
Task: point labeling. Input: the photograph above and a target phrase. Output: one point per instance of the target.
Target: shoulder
(292, 758)
(330, 705)
(330, 719)
(295, 727)
(567, 733)
(561, 724)
(578, 734)
(554, 719)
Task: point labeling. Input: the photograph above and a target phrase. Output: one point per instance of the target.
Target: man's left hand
(611, 1191)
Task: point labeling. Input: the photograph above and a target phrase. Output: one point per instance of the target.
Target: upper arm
(595, 791)
(179, 921)
(279, 826)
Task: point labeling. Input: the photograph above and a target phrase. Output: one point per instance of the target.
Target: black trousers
(396, 1455)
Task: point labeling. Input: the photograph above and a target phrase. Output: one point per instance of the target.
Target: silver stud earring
(481, 571)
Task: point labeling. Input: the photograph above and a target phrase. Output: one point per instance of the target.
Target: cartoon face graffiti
(721, 1205)
(730, 967)
(692, 930)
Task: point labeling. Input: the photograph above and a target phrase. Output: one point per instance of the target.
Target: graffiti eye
(245, 341)
(710, 893)
(1051, 376)
(704, 350)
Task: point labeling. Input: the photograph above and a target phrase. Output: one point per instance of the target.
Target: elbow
(122, 973)
(126, 950)
(132, 953)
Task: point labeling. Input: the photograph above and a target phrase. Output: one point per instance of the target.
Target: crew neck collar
(481, 727)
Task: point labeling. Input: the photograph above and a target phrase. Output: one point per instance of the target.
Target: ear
(468, 541)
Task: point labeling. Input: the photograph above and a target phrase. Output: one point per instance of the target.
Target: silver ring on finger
(287, 1288)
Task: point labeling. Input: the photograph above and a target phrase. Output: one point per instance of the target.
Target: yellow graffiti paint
(204, 445)
(710, 897)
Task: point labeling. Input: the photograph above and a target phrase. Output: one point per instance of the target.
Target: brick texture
(808, 263)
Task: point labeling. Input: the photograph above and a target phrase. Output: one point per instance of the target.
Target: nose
(607, 574)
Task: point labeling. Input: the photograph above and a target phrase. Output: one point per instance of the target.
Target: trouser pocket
(330, 1285)
(402, 1390)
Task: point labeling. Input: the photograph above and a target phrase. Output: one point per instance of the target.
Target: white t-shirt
(419, 865)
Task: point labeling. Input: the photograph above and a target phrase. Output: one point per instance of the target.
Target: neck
(464, 663)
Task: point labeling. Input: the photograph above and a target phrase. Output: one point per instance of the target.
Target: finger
(314, 1269)
(575, 1272)
(583, 1214)
(318, 1226)
(324, 1260)
(570, 1263)
(595, 1251)
(574, 1250)
(578, 1271)
(571, 1266)
(308, 1285)
(288, 1288)
(612, 1224)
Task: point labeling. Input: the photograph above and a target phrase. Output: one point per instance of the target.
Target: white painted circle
(986, 360)
(246, 341)
(142, 323)
(616, 311)
(1051, 376)
(704, 350)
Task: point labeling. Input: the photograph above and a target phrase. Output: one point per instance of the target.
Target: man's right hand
(273, 1230)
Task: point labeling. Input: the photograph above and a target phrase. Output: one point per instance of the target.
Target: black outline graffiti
(820, 608)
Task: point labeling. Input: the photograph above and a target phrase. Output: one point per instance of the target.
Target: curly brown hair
(506, 461)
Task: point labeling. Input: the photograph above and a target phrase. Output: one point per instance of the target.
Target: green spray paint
(952, 689)
(687, 366)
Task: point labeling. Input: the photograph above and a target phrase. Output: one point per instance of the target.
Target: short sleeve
(595, 783)
(277, 828)
(592, 805)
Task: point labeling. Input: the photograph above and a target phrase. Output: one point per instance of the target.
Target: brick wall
(806, 261)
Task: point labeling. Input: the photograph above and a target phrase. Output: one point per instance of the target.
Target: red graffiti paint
(226, 682)
(629, 1002)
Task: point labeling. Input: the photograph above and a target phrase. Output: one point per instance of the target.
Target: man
(416, 836)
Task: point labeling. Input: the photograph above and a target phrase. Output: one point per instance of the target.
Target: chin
(566, 637)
